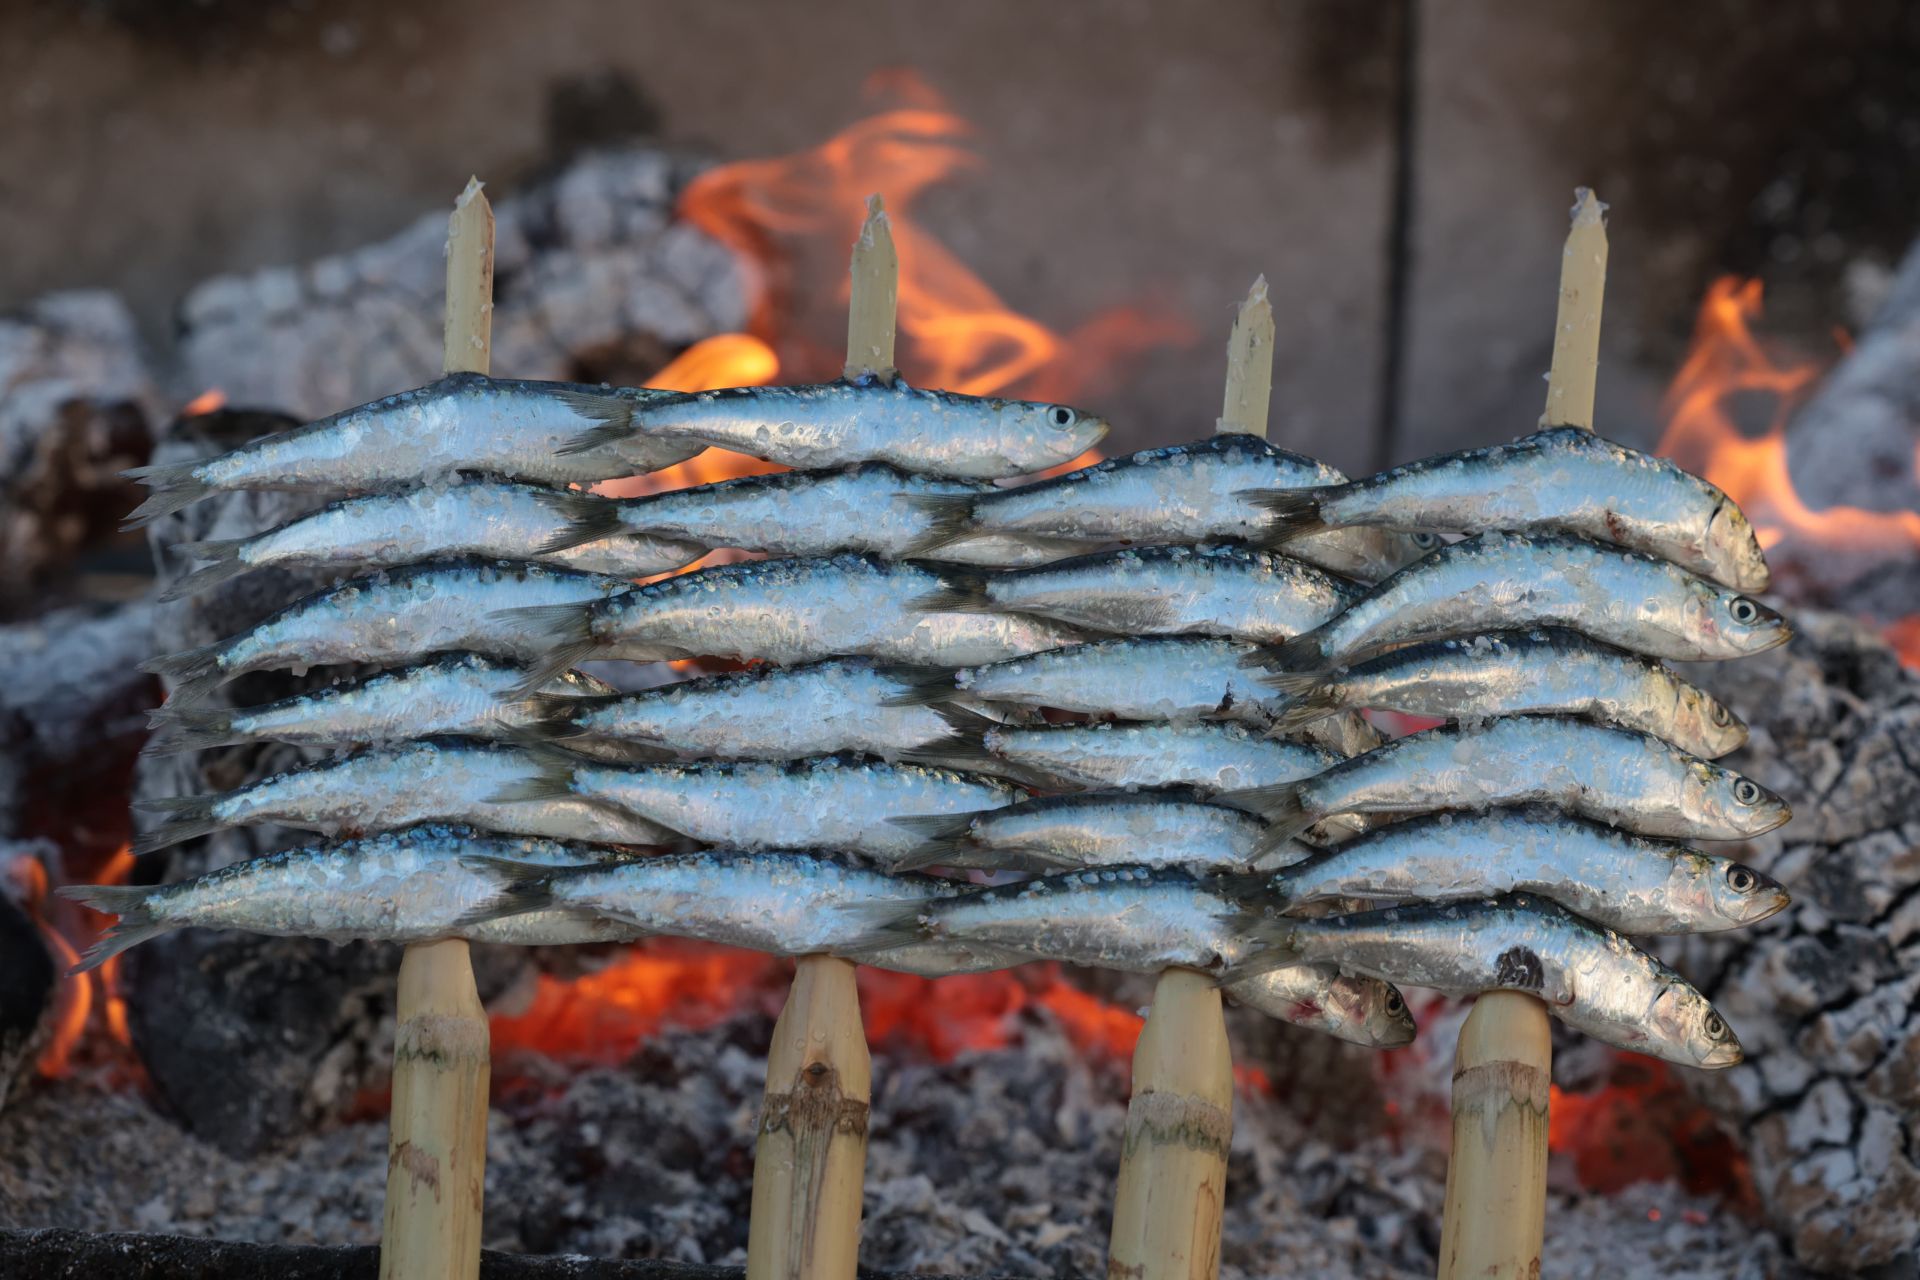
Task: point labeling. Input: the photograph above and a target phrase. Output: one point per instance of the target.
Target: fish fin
(225, 555)
(551, 779)
(188, 818)
(1302, 654)
(1311, 697)
(188, 665)
(943, 853)
(935, 826)
(960, 591)
(949, 515)
(524, 887)
(1293, 513)
(614, 414)
(589, 517)
(190, 729)
(566, 630)
(1280, 804)
(174, 485)
(926, 686)
(885, 935)
(132, 903)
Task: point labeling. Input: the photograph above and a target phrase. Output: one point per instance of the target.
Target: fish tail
(133, 903)
(190, 729)
(925, 686)
(1282, 805)
(895, 929)
(960, 591)
(614, 415)
(1293, 513)
(1277, 943)
(175, 487)
(1311, 697)
(522, 887)
(943, 838)
(1302, 654)
(549, 717)
(949, 517)
(551, 778)
(564, 630)
(966, 748)
(187, 818)
(589, 518)
(225, 554)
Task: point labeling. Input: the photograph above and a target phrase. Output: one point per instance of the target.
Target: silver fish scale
(1540, 672)
(478, 518)
(387, 789)
(1128, 918)
(1590, 978)
(1570, 479)
(1115, 829)
(1209, 756)
(1499, 581)
(841, 803)
(1631, 780)
(778, 713)
(398, 617)
(463, 422)
(1209, 590)
(832, 424)
(1186, 493)
(1617, 880)
(1175, 679)
(780, 902)
(819, 513)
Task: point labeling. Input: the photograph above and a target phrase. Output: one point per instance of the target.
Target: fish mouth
(1776, 902)
(1724, 1053)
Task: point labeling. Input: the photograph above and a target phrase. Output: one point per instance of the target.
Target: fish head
(1732, 801)
(1704, 725)
(1372, 1013)
(1733, 549)
(1733, 624)
(1685, 1021)
(1741, 895)
(1038, 436)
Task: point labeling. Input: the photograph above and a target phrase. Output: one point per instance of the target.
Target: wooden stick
(871, 310)
(1173, 1168)
(437, 1145)
(810, 1158)
(1249, 366)
(1496, 1206)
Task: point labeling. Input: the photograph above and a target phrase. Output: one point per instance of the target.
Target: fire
(212, 400)
(1643, 1126)
(79, 1000)
(1728, 366)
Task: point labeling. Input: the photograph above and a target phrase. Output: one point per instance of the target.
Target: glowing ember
(211, 400)
(1645, 1127)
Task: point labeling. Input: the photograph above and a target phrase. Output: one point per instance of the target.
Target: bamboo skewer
(437, 1145)
(810, 1158)
(1168, 1201)
(1496, 1201)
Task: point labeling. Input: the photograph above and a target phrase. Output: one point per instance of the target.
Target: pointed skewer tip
(1588, 208)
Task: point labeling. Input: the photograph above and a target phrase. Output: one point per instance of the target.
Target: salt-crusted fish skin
(1209, 756)
(453, 695)
(839, 802)
(405, 886)
(864, 508)
(484, 518)
(1504, 581)
(1632, 780)
(763, 713)
(1629, 883)
(389, 788)
(1162, 827)
(1563, 479)
(1519, 672)
(1591, 978)
(1184, 493)
(1363, 1011)
(833, 424)
(394, 617)
(465, 422)
(1208, 590)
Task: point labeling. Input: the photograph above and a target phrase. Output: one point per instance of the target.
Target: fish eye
(1395, 1005)
(1746, 791)
(1742, 879)
(1061, 416)
(1744, 611)
(1426, 541)
(1720, 715)
(1715, 1027)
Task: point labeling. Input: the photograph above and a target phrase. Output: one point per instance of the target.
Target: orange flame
(212, 400)
(1728, 365)
(76, 997)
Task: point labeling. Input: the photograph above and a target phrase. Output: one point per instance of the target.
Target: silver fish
(1209, 590)
(764, 713)
(1364, 1011)
(1632, 780)
(831, 802)
(1102, 828)
(387, 618)
(1185, 493)
(801, 513)
(1502, 581)
(1516, 672)
(1591, 978)
(1624, 882)
(493, 519)
(780, 611)
(1563, 479)
(465, 422)
(455, 695)
(937, 433)
(387, 788)
(1209, 756)
(406, 886)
